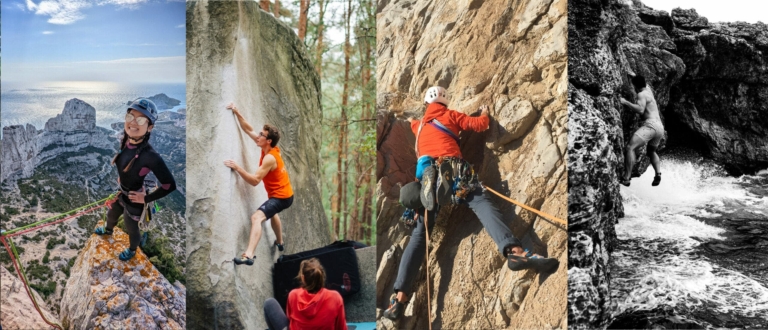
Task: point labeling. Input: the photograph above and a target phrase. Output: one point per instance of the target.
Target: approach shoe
(102, 231)
(624, 182)
(127, 254)
(530, 261)
(280, 247)
(395, 309)
(656, 180)
(428, 189)
(244, 260)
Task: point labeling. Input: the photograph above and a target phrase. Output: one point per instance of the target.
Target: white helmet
(436, 94)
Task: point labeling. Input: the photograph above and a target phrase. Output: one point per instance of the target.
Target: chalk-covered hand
(231, 164)
(483, 110)
(232, 107)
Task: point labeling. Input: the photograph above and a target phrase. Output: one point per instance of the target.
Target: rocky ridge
(710, 84)
(17, 311)
(105, 292)
(510, 55)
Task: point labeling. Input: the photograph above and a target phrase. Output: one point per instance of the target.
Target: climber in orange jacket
(275, 177)
(439, 158)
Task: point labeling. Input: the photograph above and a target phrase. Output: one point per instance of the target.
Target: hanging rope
(539, 213)
(5, 238)
(429, 300)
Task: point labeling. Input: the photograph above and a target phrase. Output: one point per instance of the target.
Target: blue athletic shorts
(275, 205)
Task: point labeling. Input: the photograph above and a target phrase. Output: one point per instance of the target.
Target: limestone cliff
(24, 148)
(510, 55)
(104, 292)
(710, 83)
(16, 309)
(239, 53)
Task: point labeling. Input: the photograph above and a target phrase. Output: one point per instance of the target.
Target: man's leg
(277, 227)
(492, 220)
(256, 220)
(651, 152)
(413, 256)
(629, 155)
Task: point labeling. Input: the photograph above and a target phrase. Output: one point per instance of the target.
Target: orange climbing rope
(546, 216)
(5, 238)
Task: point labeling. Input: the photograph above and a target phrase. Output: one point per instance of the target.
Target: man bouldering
(651, 132)
(445, 177)
(276, 181)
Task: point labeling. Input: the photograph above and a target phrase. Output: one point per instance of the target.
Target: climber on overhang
(437, 146)
(135, 159)
(275, 177)
(651, 132)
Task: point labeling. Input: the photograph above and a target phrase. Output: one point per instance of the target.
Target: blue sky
(133, 41)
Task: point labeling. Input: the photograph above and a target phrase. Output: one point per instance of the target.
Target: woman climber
(309, 307)
(135, 159)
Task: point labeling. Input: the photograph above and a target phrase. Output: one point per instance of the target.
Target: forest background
(340, 37)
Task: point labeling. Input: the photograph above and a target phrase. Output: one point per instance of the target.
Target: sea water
(35, 103)
(691, 250)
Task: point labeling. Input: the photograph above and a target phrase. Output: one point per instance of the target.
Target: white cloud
(69, 11)
(181, 26)
(134, 70)
(47, 32)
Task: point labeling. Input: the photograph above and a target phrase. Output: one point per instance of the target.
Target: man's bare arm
(253, 179)
(639, 107)
(247, 128)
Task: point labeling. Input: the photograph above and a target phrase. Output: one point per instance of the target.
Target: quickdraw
(409, 218)
(463, 178)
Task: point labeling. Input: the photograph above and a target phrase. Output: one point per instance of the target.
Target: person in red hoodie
(310, 307)
(437, 138)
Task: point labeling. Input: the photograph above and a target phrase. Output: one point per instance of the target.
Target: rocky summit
(510, 55)
(104, 292)
(25, 147)
(710, 82)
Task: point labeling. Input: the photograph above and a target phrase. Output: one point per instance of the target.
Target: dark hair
(123, 142)
(638, 81)
(272, 134)
(314, 275)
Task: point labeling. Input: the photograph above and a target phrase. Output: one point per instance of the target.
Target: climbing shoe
(102, 231)
(530, 261)
(428, 188)
(244, 260)
(625, 183)
(444, 183)
(280, 247)
(656, 180)
(395, 309)
(127, 254)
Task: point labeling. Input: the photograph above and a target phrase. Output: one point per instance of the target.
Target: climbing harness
(5, 238)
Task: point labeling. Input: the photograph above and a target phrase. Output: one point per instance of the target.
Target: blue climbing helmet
(146, 107)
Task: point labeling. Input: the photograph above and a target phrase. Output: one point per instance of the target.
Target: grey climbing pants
(413, 256)
(131, 217)
(274, 315)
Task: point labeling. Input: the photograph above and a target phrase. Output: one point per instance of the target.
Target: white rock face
(77, 116)
(20, 146)
(17, 311)
(242, 54)
(106, 293)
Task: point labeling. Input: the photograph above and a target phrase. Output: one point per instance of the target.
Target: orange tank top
(276, 182)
